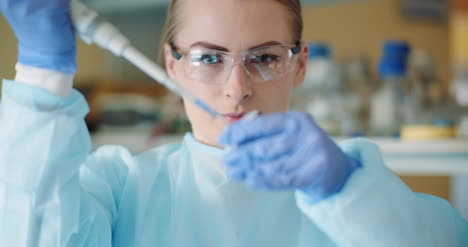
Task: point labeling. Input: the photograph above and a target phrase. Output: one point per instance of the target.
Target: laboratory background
(393, 71)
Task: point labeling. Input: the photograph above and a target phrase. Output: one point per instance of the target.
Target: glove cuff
(331, 182)
(53, 81)
(64, 62)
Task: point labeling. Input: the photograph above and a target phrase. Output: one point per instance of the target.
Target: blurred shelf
(441, 157)
(438, 157)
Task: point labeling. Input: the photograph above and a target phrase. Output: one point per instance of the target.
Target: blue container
(319, 50)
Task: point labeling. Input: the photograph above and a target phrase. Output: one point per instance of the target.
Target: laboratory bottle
(424, 92)
(388, 101)
(321, 93)
(357, 90)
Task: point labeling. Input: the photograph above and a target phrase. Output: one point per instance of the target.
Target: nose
(237, 87)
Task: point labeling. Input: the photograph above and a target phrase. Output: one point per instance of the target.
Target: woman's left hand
(286, 151)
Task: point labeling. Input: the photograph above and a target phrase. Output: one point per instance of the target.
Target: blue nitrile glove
(44, 31)
(286, 151)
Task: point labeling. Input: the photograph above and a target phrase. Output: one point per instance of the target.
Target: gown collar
(207, 161)
(193, 144)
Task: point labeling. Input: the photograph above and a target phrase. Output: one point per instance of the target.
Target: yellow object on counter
(426, 132)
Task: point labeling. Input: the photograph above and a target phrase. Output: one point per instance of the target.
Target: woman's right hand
(44, 31)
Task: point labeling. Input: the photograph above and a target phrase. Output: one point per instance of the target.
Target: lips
(233, 117)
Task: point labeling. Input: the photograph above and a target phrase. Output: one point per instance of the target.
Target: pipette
(94, 29)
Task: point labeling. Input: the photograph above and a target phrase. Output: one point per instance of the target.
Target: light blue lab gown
(53, 192)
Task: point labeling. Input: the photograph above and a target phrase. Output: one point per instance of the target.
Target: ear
(170, 61)
(301, 66)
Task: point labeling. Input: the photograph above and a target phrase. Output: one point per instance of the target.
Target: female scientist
(281, 181)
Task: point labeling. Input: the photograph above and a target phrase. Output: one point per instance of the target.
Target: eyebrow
(221, 48)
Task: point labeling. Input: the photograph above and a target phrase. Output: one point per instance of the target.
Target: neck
(206, 139)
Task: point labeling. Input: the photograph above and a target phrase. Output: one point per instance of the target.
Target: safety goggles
(260, 64)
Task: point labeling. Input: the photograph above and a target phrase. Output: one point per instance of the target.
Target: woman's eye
(208, 58)
(265, 58)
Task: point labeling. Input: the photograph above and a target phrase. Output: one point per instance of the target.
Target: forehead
(234, 24)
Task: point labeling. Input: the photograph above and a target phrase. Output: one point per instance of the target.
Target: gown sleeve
(52, 191)
(375, 208)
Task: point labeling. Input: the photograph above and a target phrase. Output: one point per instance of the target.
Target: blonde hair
(172, 22)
